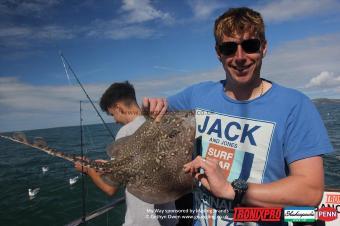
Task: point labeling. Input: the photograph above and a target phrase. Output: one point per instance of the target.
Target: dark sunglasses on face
(249, 46)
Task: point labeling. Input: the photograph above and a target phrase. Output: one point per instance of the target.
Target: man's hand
(79, 167)
(155, 106)
(213, 179)
(96, 177)
(87, 170)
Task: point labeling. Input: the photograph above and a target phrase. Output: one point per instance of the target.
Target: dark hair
(120, 91)
(238, 21)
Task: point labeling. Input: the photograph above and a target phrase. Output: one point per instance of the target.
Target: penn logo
(327, 214)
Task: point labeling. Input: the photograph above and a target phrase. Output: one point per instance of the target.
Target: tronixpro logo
(254, 214)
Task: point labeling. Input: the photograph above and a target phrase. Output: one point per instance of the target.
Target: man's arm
(97, 180)
(302, 187)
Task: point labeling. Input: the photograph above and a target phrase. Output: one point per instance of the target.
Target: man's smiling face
(242, 67)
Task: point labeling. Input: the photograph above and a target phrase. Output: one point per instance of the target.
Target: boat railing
(97, 212)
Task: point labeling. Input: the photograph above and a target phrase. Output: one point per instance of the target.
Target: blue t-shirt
(253, 140)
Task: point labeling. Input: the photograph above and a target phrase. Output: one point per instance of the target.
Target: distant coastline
(326, 101)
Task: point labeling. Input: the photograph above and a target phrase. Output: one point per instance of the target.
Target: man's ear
(123, 108)
(110, 110)
(119, 108)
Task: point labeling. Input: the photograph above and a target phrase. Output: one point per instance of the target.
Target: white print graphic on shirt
(241, 145)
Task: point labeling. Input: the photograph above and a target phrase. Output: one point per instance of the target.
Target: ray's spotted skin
(149, 162)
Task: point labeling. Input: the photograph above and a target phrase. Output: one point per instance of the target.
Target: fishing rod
(82, 166)
(68, 66)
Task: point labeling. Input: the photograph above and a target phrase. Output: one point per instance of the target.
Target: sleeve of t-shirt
(306, 135)
(181, 100)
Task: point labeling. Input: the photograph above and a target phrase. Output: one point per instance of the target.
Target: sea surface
(59, 203)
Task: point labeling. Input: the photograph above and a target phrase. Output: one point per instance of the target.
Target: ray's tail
(40, 144)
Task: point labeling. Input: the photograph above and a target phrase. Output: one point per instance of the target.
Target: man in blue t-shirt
(261, 142)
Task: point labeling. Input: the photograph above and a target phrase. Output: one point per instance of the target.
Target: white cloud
(141, 11)
(310, 65)
(172, 84)
(26, 7)
(203, 9)
(15, 32)
(52, 32)
(295, 63)
(22, 103)
(131, 23)
(325, 79)
(25, 36)
(117, 31)
(24, 97)
(158, 67)
(24, 106)
(26, 41)
(284, 10)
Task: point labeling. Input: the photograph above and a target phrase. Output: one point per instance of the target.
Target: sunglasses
(249, 46)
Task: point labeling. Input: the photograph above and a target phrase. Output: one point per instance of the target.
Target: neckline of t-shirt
(248, 101)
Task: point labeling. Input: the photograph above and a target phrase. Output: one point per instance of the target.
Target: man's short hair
(237, 21)
(123, 91)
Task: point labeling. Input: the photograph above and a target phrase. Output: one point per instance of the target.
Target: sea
(59, 203)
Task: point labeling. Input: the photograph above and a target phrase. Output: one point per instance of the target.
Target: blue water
(330, 114)
(59, 203)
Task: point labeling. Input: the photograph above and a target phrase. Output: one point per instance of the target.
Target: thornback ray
(149, 162)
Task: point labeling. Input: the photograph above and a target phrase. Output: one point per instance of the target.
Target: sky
(159, 46)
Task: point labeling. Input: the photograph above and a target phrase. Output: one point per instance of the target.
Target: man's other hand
(156, 107)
